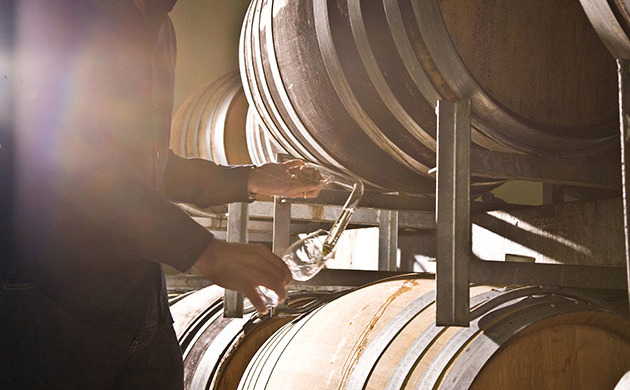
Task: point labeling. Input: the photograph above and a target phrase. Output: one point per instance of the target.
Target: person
(83, 303)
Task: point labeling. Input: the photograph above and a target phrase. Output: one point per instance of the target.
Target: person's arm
(238, 266)
(243, 267)
(204, 183)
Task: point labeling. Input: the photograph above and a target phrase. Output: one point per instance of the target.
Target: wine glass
(307, 256)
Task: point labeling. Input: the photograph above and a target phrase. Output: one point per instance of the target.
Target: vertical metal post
(623, 73)
(387, 240)
(281, 217)
(281, 236)
(281, 225)
(453, 213)
(236, 232)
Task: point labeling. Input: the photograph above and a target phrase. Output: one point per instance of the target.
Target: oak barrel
(216, 350)
(611, 20)
(353, 84)
(262, 147)
(383, 336)
(216, 124)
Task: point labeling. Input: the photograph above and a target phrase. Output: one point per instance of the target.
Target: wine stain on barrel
(362, 341)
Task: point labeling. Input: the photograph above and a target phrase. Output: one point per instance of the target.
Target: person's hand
(289, 179)
(243, 267)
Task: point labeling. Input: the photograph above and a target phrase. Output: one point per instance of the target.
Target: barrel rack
(608, 19)
(449, 212)
(456, 267)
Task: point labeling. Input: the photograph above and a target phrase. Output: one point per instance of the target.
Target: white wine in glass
(307, 256)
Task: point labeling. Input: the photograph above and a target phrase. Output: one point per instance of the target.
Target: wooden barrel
(353, 84)
(216, 124)
(216, 350)
(210, 123)
(611, 20)
(262, 147)
(383, 336)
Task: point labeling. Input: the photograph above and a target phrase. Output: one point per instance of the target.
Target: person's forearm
(204, 183)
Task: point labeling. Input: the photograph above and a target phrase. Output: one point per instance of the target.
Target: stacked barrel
(385, 337)
(217, 350)
(353, 84)
(215, 123)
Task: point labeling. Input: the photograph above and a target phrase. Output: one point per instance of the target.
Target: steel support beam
(623, 72)
(387, 240)
(326, 213)
(561, 275)
(281, 237)
(236, 232)
(498, 165)
(386, 201)
(350, 278)
(420, 219)
(453, 213)
(281, 225)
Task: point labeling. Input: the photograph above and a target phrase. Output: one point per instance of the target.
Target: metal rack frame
(388, 220)
(608, 23)
(456, 265)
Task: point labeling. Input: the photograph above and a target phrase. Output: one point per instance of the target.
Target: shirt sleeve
(204, 183)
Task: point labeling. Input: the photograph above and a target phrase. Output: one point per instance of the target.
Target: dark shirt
(94, 175)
